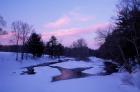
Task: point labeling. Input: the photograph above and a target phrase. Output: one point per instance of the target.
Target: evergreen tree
(54, 48)
(35, 45)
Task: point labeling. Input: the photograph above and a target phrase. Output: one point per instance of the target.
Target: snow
(12, 81)
(136, 79)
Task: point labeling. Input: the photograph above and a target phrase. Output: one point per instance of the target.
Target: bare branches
(2, 21)
(2, 24)
(102, 34)
(21, 31)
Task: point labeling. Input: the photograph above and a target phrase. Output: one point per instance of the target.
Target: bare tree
(80, 49)
(2, 24)
(16, 31)
(2, 21)
(102, 34)
(21, 31)
(25, 31)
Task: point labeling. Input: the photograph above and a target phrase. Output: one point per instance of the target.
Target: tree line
(26, 41)
(35, 46)
(121, 42)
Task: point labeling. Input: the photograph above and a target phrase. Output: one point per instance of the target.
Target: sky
(68, 20)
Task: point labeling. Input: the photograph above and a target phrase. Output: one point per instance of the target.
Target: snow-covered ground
(12, 81)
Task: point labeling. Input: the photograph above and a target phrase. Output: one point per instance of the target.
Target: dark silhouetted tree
(21, 31)
(54, 48)
(35, 45)
(2, 25)
(2, 22)
(80, 49)
(123, 44)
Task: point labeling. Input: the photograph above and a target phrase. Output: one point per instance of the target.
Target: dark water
(70, 73)
(29, 71)
(65, 72)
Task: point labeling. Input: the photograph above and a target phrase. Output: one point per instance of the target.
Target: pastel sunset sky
(68, 20)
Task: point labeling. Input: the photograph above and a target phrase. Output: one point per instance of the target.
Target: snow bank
(12, 81)
(136, 79)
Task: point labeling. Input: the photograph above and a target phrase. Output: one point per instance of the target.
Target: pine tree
(54, 48)
(35, 45)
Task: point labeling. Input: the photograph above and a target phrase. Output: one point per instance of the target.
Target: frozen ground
(12, 81)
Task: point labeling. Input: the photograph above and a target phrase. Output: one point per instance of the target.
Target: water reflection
(65, 72)
(70, 73)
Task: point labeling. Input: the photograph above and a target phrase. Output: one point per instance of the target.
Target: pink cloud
(58, 23)
(68, 19)
(74, 31)
(6, 39)
(67, 36)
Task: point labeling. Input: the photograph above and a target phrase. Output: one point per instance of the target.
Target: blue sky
(56, 16)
